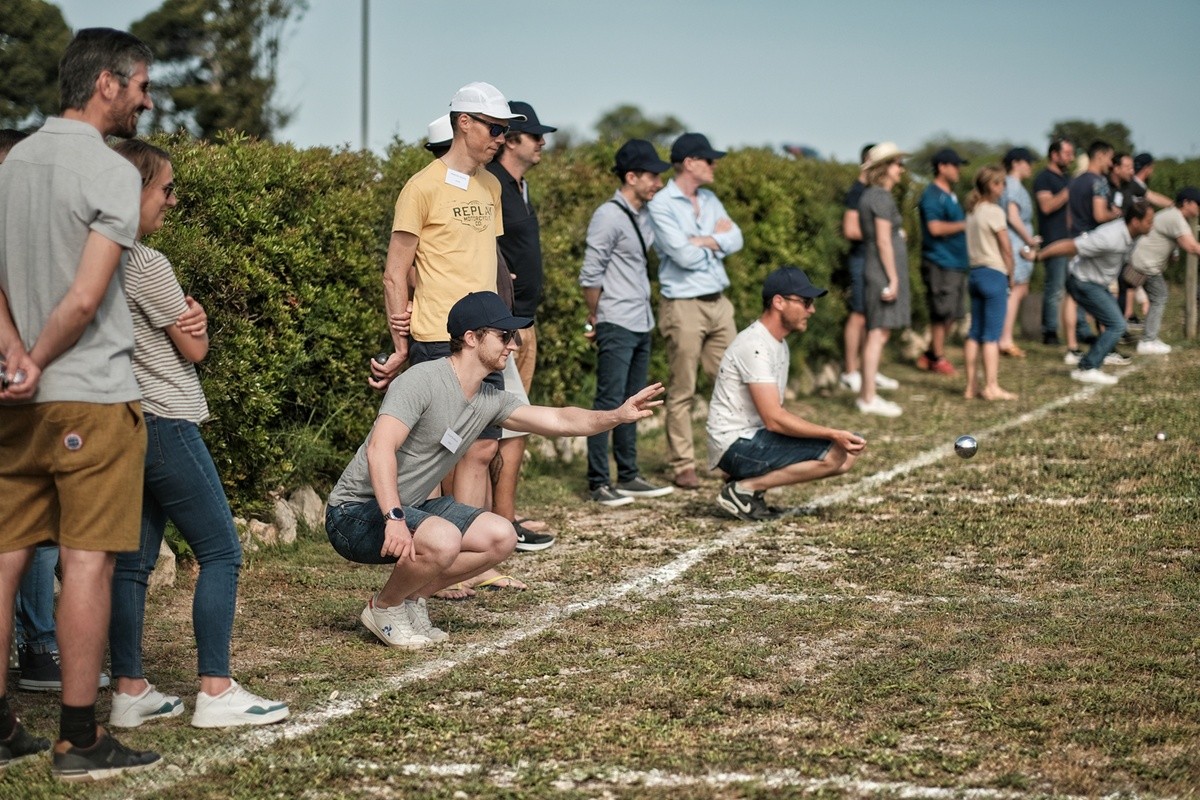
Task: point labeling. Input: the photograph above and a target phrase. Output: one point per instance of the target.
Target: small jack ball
(966, 446)
(1162, 437)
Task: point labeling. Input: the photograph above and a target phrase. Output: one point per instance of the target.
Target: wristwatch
(395, 513)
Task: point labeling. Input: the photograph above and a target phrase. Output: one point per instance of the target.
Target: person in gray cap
(381, 511)
(616, 286)
(692, 234)
(752, 438)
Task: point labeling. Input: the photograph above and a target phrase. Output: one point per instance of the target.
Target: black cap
(790, 280)
(947, 155)
(1141, 161)
(482, 310)
(1019, 154)
(640, 156)
(530, 124)
(1188, 193)
(693, 145)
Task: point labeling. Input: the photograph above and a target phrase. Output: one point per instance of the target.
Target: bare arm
(591, 296)
(402, 253)
(887, 257)
(1017, 224)
(942, 227)
(1006, 253)
(1063, 247)
(1188, 244)
(386, 437)
(1158, 200)
(778, 419)
(851, 226)
(1102, 212)
(16, 360)
(572, 421)
(1050, 202)
(189, 333)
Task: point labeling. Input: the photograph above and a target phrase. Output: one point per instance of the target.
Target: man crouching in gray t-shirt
(429, 417)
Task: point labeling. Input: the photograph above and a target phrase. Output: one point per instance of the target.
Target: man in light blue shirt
(693, 235)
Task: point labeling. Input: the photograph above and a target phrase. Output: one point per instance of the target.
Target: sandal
(501, 582)
(457, 591)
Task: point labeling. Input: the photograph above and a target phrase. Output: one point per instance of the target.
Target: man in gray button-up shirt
(616, 286)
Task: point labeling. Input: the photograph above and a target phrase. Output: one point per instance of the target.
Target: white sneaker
(1071, 358)
(418, 615)
(130, 711)
(1115, 359)
(852, 381)
(884, 408)
(236, 706)
(1153, 347)
(885, 383)
(1093, 376)
(392, 626)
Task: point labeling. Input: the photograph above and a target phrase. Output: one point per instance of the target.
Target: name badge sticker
(451, 440)
(456, 178)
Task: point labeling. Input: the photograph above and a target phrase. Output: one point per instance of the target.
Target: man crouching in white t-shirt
(381, 510)
(751, 437)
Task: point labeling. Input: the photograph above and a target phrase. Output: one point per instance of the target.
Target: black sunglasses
(506, 337)
(494, 128)
(808, 302)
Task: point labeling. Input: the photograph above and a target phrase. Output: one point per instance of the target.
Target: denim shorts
(356, 529)
(766, 452)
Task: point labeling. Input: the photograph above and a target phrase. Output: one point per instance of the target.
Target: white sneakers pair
(406, 626)
(853, 382)
(879, 407)
(231, 708)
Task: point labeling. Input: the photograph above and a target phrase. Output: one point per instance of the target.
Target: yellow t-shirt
(456, 254)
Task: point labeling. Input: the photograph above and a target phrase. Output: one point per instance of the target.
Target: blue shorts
(766, 452)
(420, 352)
(989, 304)
(356, 529)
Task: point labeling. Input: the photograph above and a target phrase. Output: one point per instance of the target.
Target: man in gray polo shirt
(616, 286)
(72, 441)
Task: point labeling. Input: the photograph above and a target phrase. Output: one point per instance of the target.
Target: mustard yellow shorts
(71, 473)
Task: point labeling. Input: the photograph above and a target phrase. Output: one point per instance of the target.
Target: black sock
(8, 720)
(77, 725)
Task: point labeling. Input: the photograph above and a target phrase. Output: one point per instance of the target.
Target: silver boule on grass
(966, 446)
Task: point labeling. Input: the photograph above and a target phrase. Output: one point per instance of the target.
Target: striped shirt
(170, 385)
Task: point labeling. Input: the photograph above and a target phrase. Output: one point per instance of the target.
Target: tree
(216, 64)
(33, 36)
(1083, 133)
(628, 122)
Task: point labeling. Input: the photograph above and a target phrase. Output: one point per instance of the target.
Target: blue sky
(830, 75)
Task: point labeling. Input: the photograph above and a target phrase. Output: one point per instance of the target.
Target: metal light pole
(366, 17)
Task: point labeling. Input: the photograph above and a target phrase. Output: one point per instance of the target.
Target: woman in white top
(181, 484)
(991, 280)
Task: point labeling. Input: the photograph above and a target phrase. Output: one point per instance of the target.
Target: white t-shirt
(755, 356)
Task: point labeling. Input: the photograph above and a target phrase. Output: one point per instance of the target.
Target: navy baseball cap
(947, 155)
(640, 156)
(693, 145)
(790, 280)
(1019, 154)
(1141, 161)
(530, 122)
(482, 310)
(1188, 193)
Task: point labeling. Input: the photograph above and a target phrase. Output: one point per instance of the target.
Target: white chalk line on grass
(302, 724)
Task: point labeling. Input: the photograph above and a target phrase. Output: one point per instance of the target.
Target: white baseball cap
(439, 132)
(482, 98)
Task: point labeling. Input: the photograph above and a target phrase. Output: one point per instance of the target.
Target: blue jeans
(35, 603)
(989, 302)
(622, 369)
(181, 484)
(1097, 301)
(1052, 292)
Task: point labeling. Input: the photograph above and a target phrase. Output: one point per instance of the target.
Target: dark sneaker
(531, 541)
(42, 672)
(640, 487)
(607, 496)
(750, 506)
(107, 758)
(20, 745)
(1050, 338)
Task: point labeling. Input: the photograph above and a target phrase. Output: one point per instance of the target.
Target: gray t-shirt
(429, 400)
(56, 187)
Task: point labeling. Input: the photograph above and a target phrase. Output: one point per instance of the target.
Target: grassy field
(1023, 624)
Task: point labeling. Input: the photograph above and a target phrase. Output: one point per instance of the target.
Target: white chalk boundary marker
(245, 743)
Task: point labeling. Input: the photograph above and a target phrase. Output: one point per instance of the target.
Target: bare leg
(991, 374)
(872, 353)
(853, 336)
(1068, 321)
(83, 609)
(504, 500)
(1010, 314)
(12, 566)
(836, 462)
(971, 356)
(937, 338)
(488, 541)
(437, 544)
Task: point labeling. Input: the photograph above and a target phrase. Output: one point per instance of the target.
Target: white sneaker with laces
(1071, 358)
(418, 615)
(1153, 347)
(130, 711)
(885, 383)
(852, 381)
(236, 706)
(392, 626)
(1093, 376)
(1115, 359)
(879, 406)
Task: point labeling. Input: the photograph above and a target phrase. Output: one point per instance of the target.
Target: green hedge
(285, 249)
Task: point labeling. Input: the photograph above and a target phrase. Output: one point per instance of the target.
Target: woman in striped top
(181, 484)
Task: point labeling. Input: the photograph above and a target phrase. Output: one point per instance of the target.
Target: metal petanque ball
(381, 358)
(966, 446)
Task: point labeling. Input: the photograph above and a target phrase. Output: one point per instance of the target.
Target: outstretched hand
(642, 404)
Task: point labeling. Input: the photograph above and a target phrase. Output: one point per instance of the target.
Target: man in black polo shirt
(1050, 191)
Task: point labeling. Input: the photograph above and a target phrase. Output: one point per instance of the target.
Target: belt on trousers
(707, 298)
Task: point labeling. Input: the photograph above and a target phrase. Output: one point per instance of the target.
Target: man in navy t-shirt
(1050, 193)
(944, 261)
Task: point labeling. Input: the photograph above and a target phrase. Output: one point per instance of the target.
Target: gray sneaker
(418, 614)
(640, 487)
(607, 496)
(392, 626)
